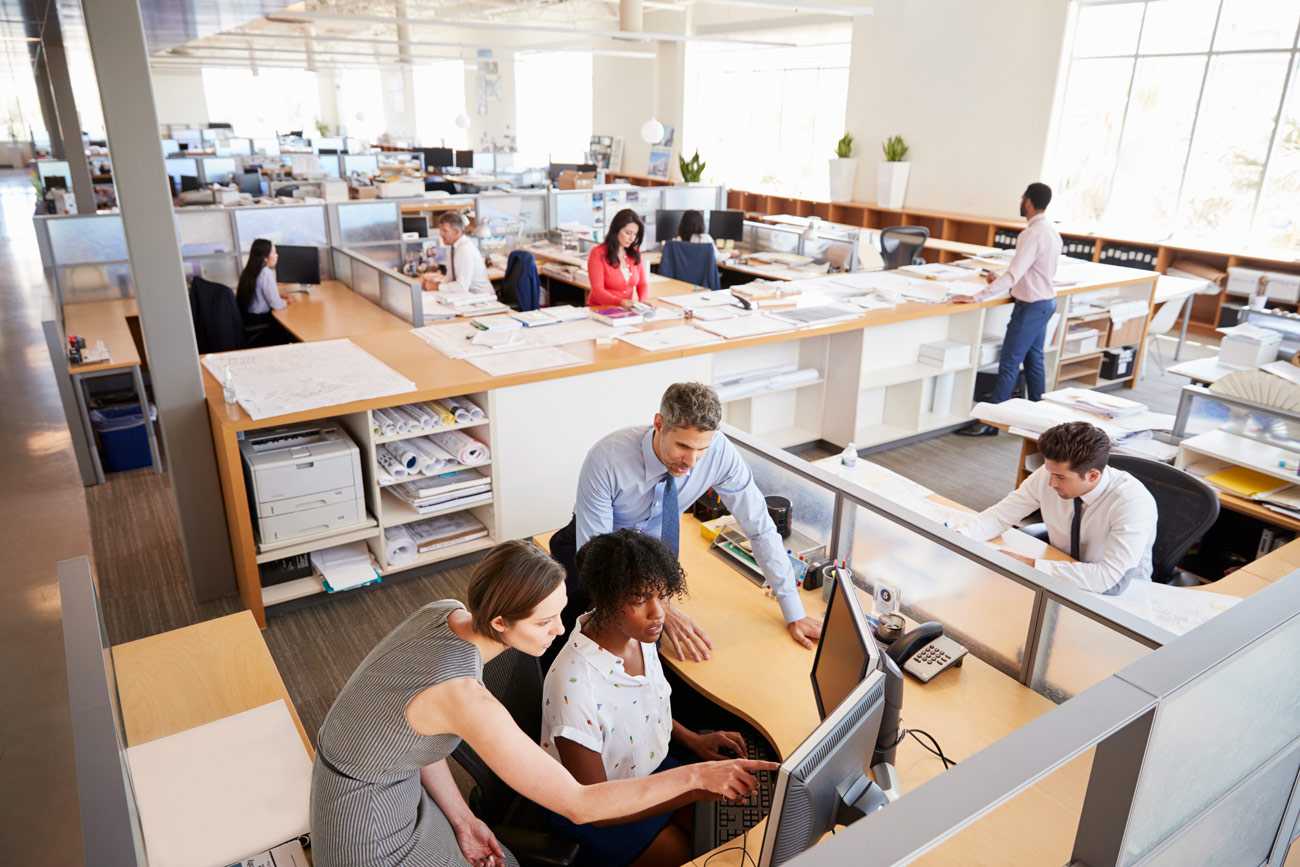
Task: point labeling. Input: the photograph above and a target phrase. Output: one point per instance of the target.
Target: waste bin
(123, 437)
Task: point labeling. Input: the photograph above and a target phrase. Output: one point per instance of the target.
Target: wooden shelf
(380, 440)
(1081, 356)
(397, 511)
(288, 591)
(443, 554)
(322, 540)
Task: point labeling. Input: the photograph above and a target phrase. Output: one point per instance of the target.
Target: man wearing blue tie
(644, 477)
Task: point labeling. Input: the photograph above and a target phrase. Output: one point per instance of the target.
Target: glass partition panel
(282, 224)
(982, 609)
(1235, 717)
(218, 269)
(365, 164)
(204, 232)
(812, 507)
(95, 282)
(384, 255)
(329, 165)
(181, 167)
(395, 297)
(688, 198)
(219, 170)
(365, 280)
(88, 239)
(575, 207)
(365, 222)
(1208, 413)
(532, 215)
(342, 266)
(761, 237)
(838, 253)
(1075, 652)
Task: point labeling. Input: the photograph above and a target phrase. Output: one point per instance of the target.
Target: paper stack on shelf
(446, 531)
(1284, 369)
(458, 489)
(1096, 402)
(944, 353)
(783, 378)
(345, 567)
(1284, 500)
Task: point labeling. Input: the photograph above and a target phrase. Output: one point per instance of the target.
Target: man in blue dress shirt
(644, 477)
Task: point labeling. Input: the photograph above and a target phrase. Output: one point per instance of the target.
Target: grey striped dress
(368, 806)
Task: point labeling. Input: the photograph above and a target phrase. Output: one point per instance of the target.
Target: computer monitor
(189, 184)
(56, 182)
(666, 223)
(439, 158)
(727, 225)
(465, 159)
(297, 264)
(251, 183)
(846, 651)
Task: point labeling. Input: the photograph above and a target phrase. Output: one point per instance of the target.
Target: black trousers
(564, 548)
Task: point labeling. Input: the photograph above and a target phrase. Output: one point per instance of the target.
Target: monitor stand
(862, 796)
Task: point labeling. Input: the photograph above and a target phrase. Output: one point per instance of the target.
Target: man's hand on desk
(683, 638)
(964, 299)
(805, 631)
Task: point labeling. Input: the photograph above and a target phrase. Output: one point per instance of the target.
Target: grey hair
(692, 405)
(453, 219)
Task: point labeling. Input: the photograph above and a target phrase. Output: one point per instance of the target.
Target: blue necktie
(671, 516)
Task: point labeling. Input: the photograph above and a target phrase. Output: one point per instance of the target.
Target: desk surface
(106, 321)
(333, 310)
(1206, 370)
(177, 680)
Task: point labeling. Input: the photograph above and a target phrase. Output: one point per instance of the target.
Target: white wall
(178, 96)
(968, 85)
(622, 96)
(498, 119)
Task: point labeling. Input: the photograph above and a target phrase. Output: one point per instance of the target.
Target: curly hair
(625, 566)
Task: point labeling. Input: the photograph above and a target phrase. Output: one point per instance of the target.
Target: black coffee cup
(780, 510)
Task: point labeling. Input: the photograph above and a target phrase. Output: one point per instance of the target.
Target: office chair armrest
(537, 848)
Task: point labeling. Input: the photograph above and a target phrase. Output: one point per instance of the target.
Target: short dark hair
(1076, 443)
(623, 566)
(509, 583)
(691, 404)
(692, 223)
(455, 219)
(1039, 195)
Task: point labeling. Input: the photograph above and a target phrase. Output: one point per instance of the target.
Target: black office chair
(515, 679)
(901, 245)
(440, 187)
(1187, 508)
(218, 327)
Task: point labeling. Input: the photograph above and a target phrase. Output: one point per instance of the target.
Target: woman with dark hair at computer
(616, 269)
(606, 713)
(691, 229)
(257, 294)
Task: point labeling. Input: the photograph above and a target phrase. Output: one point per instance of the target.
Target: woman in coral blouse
(617, 272)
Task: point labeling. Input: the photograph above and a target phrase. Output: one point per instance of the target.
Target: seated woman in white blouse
(606, 711)
(691, 229)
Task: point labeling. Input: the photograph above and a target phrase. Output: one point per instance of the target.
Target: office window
(768, 118)
(20, 109)
(550, 129)
(262, 104)
(1181, 118)
(361, 104)
(439, 99)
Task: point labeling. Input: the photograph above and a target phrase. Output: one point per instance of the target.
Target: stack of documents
(345, 567)
(1096, 402)
(1245, 482)
(549, 315)
(1284, 500)
(820, 314)
(764, 293)
(446, 531)
(459, 489)
(753, 325)
(675, 337)
(935, 271)
(944, 353)
(700, 300)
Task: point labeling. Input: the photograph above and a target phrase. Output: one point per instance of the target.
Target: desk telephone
(923, 652)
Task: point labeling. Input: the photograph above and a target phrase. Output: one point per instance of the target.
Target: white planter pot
(843, 172)
(891, 184)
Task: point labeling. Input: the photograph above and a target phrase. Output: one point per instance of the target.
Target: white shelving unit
(788, 415)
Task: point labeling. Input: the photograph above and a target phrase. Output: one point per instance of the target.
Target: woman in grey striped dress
(382, 795)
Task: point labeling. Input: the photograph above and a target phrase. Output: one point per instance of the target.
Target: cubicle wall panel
(982, 609)
(395, 297)
(87, 239)
(1238, 716)
(812, 506)
(284, 224)
(537, 458)
(365, 281)
(95, 282)
(218, 269)
(367, 222)
(204, 232)
(1076, 652)
(342, 267)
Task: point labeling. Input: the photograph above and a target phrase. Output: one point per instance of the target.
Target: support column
(65, 106)
(48, 114)
(117, 45)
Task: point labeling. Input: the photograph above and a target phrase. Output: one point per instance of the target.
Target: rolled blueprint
(416, 421)
(443, 411)
(399, 547)
(385, 424)
(429, 420)
(390, 463)
(433, 456)
(464, 448)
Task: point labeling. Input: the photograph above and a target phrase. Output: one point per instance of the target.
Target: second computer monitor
(666, 224)
(727, 225)
(464, 159)
(846, 650)
(297, 264)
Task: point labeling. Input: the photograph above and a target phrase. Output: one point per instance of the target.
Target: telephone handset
(925, 651)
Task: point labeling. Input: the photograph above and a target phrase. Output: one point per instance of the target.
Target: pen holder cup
(781, 511)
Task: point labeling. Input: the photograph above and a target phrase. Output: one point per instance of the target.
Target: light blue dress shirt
(622, 485)
(267, 297)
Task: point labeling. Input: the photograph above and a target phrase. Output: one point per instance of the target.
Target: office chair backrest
(1163, 320)
(218, 326)
(521, 288)
(515, 679)
(901, 245)
(691, 263)
(1187, 507)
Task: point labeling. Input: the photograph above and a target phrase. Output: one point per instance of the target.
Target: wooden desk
(773, 271)
(177, 680)
(332, 310)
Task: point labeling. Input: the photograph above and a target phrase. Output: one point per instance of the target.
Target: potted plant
(691, 169)
(891, 175)
(844, 170)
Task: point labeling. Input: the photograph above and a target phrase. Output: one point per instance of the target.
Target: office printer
(303, 481)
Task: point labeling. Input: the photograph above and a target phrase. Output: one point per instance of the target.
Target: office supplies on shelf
(345, 567)
(216, 792)
(760, 382)
(465, 411)
(524, 361)
(297, 377)
(303, 479)
(751, 325)
(676, 337)
(1096, 402)
(444, 531)
(1248, 346)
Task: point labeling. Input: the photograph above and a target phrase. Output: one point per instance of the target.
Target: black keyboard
(716, 822)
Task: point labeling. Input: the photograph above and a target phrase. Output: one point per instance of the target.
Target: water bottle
(849, 457)
(228, 387)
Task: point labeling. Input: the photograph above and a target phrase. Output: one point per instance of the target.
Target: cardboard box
(1126, 333)
(363, 193)
(571, 180)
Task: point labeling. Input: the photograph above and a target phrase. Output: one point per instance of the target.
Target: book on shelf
(459, 480)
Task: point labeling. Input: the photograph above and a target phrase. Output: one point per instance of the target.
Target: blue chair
(521, 288)
(690, 263)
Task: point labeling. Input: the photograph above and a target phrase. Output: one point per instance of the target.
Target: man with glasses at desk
(645, 476)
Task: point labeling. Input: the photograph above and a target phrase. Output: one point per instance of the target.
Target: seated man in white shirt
(606, 713)
(1102, 517)
(466, 270)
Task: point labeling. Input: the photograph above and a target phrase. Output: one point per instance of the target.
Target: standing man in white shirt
(1102, 517)
(466, 270)
(1029, 277)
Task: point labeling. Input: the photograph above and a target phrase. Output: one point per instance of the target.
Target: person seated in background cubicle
(258, 294)
(381, 792)
(616, 269)
(691, 229)
(1103, 517)
(466, 270)
(645, 476)
(606, 711)
(1029, 278)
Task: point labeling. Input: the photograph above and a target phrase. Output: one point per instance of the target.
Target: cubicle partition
(1169, 749)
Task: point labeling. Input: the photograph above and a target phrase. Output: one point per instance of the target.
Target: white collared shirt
(589, 699)
(1033, 266)
(466, 270)
(1115, 536)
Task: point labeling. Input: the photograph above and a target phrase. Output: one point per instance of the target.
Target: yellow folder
(1243, 482)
